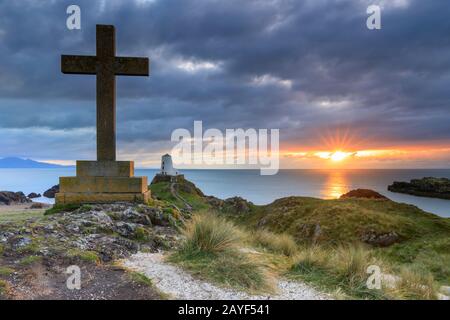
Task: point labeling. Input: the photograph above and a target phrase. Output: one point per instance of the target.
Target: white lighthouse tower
(167, 166)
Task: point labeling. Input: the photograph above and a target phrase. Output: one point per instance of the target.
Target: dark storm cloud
(301, 66)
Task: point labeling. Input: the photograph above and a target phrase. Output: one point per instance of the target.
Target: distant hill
(12, 162)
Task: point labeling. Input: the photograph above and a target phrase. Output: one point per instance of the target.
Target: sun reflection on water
(336, 185)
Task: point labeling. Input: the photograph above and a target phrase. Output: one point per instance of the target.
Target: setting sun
(335, 156)
(339, 156)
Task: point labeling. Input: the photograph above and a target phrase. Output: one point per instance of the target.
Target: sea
(249, 184)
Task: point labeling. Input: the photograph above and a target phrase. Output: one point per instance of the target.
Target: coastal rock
(363, 193)
(132, 215)
(50, 193)
(426, 187)
(34, 195)
(104, 229)
(238, 205)
(20, 242)
(188, 187)
(126, 229)
(10, 198)
(311, 232)
(235, 205)
(380, 239)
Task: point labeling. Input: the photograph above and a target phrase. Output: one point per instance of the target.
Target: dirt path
(178, 284)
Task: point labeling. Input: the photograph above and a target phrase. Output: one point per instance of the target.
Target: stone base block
(103, 185)
(105, 169)
(79, 198)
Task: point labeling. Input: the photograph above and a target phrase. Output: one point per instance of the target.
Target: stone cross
(106, 66)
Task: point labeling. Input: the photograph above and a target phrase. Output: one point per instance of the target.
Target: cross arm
(129, 66)
(78, 64)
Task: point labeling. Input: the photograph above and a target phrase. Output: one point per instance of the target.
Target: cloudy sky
(309, 68)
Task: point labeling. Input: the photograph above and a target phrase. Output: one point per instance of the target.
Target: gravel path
(180, 285)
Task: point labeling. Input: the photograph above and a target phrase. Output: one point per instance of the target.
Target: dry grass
(209, 233)
(340, 270)
(311, 257)
(277, 243)
(212, 251)
(415, 285)
(351, 263)
(343, 271)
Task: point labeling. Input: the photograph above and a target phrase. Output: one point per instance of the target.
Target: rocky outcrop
(50, 193)
(34, 195)
(187, 187)
(311, 232)
(235, 205)
(92, 237)
(426, 187)
(112, 231)
(380, 239)
(10, 198)
(363, 193)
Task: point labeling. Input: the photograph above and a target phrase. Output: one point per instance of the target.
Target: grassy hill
(420, 239)
(401, 234)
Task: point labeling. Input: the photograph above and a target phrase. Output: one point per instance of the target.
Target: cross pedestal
(104, 180)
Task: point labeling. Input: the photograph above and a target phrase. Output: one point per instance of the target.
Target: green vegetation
(28, 260)
(423, 238)
(33, 247)
(85, 208)
(343, 270)
(208, 233)
(184, 192)
(162, 191)
(19, 216)
(327, 243)
(62, 208)
(344, 221)
(141, 279)
(84, 255)
(6, 271)
(212, 251)
(416, 285)
(3, 287)
(277, 243)
(141, 234)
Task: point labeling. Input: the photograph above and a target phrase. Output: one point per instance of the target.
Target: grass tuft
(84, 255)
(340, 270)
(207, 233)
(29, 260)
(141, 279)
(343, 271)
(277, 243)
(6, 271)
(211, 250)
(3, 287)
(415, 285)
(62, 208)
